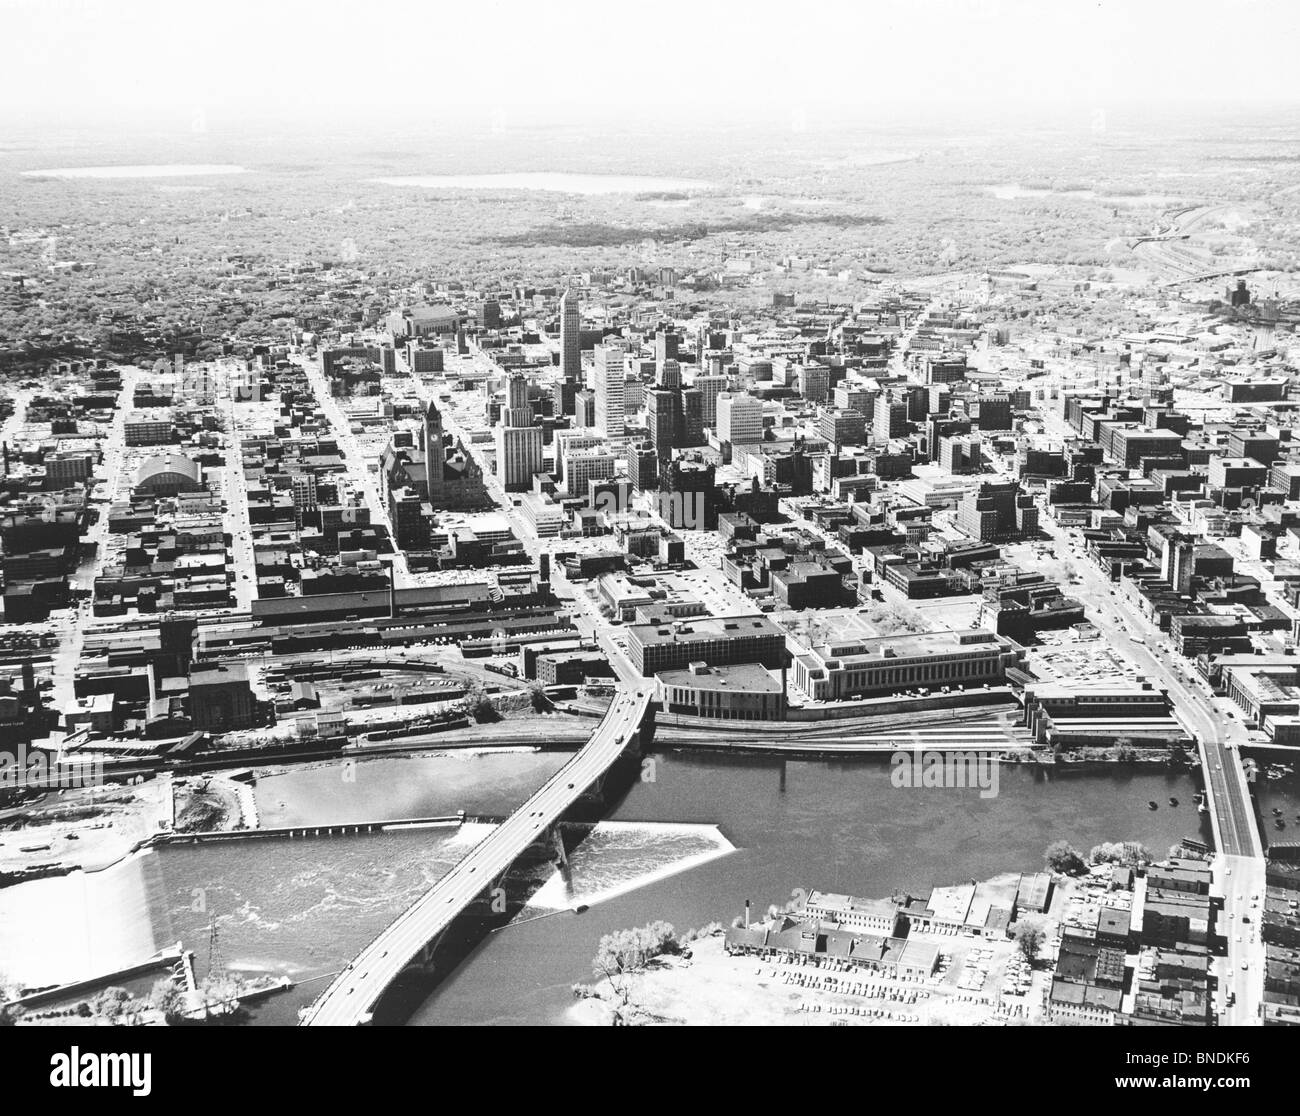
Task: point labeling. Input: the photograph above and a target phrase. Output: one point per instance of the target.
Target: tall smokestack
(746, 914)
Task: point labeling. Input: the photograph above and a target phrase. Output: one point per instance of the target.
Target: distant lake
(558, 183)
(164, 170)
(1010, 190)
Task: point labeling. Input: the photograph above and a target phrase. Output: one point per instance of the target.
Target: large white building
(608, 379)
(583, 465)
(569, 440)
(740, 418)
(518, 441)
(889, 664)
(519, 455)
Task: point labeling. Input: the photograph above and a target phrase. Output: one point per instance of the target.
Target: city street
(1239, 864)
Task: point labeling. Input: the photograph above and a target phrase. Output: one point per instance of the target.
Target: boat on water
(1173, 801)
(1278, 823)
(1153, 805)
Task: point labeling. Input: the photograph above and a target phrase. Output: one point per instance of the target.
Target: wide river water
(305, 907)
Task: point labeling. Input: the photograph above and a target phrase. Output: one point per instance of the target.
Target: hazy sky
(135, 60)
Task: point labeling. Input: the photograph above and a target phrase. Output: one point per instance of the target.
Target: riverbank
(88, 829)
(706, 986)
(982, 980)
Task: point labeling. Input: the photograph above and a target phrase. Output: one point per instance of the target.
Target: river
(304, 907)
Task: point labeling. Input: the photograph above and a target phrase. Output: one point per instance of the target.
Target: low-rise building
(859, 668)
(742, 692)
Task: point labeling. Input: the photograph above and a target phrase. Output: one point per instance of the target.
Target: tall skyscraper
(570, 336)
(667, 346)
(517, 391)
(518, 441)
(609, 380)
(691, 432)
(518, 411)
(519, 456)
(710, 387)
(662, 420)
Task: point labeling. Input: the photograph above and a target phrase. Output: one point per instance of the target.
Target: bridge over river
(351, 997)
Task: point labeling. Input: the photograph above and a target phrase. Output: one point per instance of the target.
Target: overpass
(408, 941)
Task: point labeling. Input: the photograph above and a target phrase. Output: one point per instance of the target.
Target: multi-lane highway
(351, 996)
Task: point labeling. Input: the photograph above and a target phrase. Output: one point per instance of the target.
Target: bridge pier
(556, 841)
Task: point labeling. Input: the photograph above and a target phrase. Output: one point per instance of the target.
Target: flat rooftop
(743, 677)
(834, 903)
(920, 644)
(700, 629)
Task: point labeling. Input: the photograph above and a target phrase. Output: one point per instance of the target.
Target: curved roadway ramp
(352, 995)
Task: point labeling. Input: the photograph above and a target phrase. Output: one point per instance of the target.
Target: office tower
(688, 495)
(841, 427)
(609, 381)
(994, 412)
(570, 336)
(814, 382)
(517, 411)
(710, 387)
(854, 396)
(1178, 562)
(567, 440)
(518, 441)
(583, 465)
(691, 432)
(304, 495)
(670, 374)
(997, 510)
(667, 345)
(633, 394)
(960, 454)
(519, 456)
(740, 419)
(890, 420)
(662, 420)
(563, 393)
(490, 315)
(584, 409)
(642, 465)
(517, 391)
